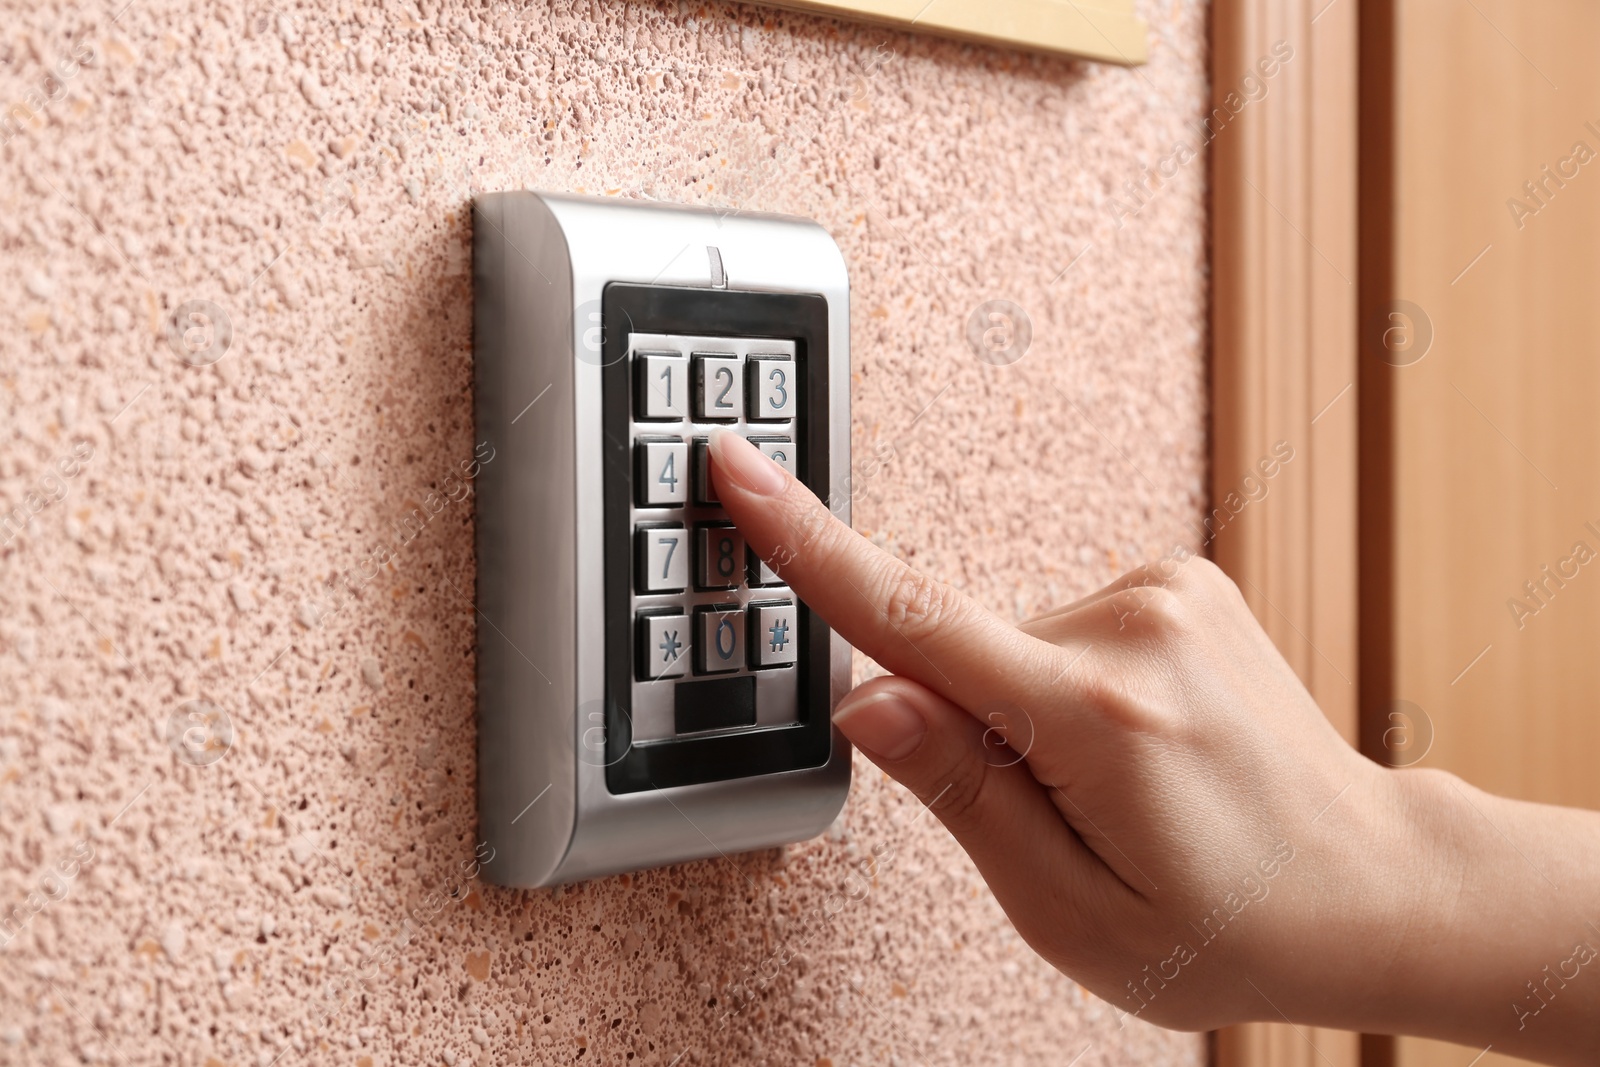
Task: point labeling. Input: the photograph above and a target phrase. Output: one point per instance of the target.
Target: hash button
(774, 634)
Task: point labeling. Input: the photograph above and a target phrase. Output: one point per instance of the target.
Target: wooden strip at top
(1103, 30)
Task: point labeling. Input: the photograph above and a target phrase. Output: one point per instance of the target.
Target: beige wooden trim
(1105, 30)
(1283, 370)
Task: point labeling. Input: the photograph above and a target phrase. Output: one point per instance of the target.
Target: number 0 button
(718, 390)
(721, 639)
(662, 473)
(772, 387)
(720, 557)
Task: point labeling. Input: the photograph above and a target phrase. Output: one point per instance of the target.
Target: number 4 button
(772, 387)
(661, 474)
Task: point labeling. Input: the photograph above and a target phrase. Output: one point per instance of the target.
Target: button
(663, 559)
(717, 559)
(721, 639)
(778, 449)
(661, 385)
(663, 646)
(718, 389)
(758, 573)
(704, 491)
(772, 387)
(774, 634)
(662, 472)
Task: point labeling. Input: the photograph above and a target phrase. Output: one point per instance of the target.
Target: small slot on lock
(715, 704)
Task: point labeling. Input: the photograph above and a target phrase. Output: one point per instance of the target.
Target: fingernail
(745, 465)
(882, 724)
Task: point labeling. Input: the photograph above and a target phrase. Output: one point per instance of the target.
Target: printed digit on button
(771, 387)
(780, 450)
(718, 387)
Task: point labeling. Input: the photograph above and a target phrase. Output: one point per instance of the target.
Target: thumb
(983, 793)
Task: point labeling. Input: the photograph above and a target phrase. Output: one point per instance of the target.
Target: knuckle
(1205, 575)
(1152, 611)
(1220, 585)
(957, 792)
(916, 605)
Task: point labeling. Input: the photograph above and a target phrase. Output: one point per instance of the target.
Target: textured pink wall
(308, 168)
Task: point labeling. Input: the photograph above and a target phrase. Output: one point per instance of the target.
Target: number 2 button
(718, 391)
(772, 387)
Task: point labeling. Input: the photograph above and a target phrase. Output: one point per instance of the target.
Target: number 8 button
(772, 387)
(720, 557)
(718, 390)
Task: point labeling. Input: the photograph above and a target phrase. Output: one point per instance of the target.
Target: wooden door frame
(1284, 338)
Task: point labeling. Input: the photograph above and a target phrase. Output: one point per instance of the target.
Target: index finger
(912, 624)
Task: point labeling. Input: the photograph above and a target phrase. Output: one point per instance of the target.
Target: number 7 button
(663, 565)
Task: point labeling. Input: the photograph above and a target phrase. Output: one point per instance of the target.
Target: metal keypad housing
(589, 762)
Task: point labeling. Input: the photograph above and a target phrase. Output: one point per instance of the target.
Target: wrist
(1492, 903)
(1381, 898)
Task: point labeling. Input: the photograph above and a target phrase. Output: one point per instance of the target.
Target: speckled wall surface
(233, 819)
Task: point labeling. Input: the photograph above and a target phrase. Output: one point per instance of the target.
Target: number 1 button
(661, 473)
(772, 387)
(718, 392)
(662, 384)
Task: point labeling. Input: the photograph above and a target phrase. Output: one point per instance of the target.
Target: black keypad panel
(713, 669)
(705, 608)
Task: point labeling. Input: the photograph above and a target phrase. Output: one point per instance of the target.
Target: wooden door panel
(1491, 438)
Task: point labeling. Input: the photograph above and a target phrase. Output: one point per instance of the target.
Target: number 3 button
(772, 387)
(720, 557)
(718, 392)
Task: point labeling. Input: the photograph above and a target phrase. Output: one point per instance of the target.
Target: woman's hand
(1154, 798)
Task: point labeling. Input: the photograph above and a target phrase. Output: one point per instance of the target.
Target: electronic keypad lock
(648, 690)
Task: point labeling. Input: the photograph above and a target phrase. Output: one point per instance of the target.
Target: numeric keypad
(715, 627)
